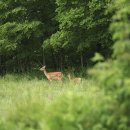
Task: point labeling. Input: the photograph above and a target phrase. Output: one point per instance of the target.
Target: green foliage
(97, 57)
(121, 32)
(107, 75)
(88, 112)
(15, 25)
(38, 105)
(69, 32)
(13, 33)
(112, 74)
(83, 28)
(76, 112)
(101, 103)
(24, 24)
(27, 117)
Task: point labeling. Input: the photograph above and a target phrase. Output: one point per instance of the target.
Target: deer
(52, 75)
(75, 79)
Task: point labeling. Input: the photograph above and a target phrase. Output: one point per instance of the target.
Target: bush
(26, 117)
(107, 75)
(77, 112)
(91, 110)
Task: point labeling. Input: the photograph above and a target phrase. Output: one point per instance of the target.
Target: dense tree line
(65, 33)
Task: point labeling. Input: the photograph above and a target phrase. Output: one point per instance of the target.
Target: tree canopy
(65, 33)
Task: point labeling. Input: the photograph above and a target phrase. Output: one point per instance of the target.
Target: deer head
(43, 68)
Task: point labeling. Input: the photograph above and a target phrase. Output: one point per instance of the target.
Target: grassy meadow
(18, 89)
(34, 103)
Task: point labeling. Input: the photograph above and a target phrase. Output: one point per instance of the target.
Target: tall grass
(31, 103)
(21, 89)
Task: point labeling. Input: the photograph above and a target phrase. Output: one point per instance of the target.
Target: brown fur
(76, 79)
(52, 75)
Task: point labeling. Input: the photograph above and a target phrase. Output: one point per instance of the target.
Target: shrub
(26, 117)
(77, 112)
(107, 75)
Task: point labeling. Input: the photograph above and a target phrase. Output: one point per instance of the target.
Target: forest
(65, 33)
(84, 44)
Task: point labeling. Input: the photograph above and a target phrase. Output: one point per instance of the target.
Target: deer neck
(45, 72)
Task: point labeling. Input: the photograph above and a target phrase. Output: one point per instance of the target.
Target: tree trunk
(43, 57)
(61, 62)
(81, 60)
